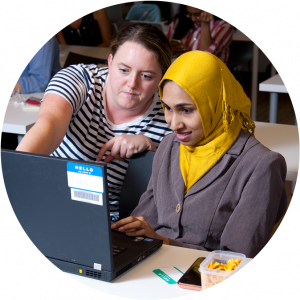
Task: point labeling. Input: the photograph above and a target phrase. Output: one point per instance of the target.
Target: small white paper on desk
(17, 99)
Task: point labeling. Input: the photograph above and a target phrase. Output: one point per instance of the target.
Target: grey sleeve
(147, 207)
(262, 203)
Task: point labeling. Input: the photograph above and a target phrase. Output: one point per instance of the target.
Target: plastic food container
(210, 277)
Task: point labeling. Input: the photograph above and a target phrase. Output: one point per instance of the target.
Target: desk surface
(273, 84)
(19, 118)
(283, 139)
(141, 283)
(98, 52)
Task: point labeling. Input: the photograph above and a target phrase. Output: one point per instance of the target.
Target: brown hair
(148, 36)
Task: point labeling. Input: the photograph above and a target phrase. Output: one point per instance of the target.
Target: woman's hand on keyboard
(137, 226)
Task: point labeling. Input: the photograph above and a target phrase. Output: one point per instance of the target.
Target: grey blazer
(232, 207)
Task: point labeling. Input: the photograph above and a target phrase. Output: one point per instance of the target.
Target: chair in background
(241, 52)
(144, 12)
(74, 59)
(136, 181)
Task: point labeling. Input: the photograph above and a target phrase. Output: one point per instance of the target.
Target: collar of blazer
(235, 150)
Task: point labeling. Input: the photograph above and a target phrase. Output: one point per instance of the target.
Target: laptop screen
(62, 204)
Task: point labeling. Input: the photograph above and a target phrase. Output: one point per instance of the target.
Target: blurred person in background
(93, 29)
(42, 67)
(165, 9)
(200, 30)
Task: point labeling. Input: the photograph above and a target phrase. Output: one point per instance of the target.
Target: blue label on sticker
(84, 169)
(148, 240)
(84, 177)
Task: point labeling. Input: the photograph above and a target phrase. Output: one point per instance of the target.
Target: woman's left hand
(206, 17)
(134, 227)
(124, 146)
(137, 226)
(18, 88)
(178, 48)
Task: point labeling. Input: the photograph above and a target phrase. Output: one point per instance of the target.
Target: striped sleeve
(222, 33)
(71, 84)
(171, 29)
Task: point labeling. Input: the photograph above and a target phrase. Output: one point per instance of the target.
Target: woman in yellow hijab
(222, 105)
(213, 185)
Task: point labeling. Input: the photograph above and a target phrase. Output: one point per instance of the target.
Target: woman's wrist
(206, 39)
(165, 240)
(205, 25)
(151, 144)
(18, 88)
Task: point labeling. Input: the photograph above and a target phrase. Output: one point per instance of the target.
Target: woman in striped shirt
(195, 29)
(106, 114)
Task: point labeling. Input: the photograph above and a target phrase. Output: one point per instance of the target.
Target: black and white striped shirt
(83, 86)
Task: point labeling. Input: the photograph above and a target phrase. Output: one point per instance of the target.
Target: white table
(274, 85)
(20, 118)
(98, 52)
(141, 283)
(239, 36)
(283, 139)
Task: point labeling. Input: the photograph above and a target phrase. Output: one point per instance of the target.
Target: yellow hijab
(222, 104)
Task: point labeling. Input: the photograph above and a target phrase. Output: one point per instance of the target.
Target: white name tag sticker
(86, 183)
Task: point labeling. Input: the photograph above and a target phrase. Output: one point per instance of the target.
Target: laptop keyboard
(117, 250)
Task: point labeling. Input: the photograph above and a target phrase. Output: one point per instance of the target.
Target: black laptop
(62, 204)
